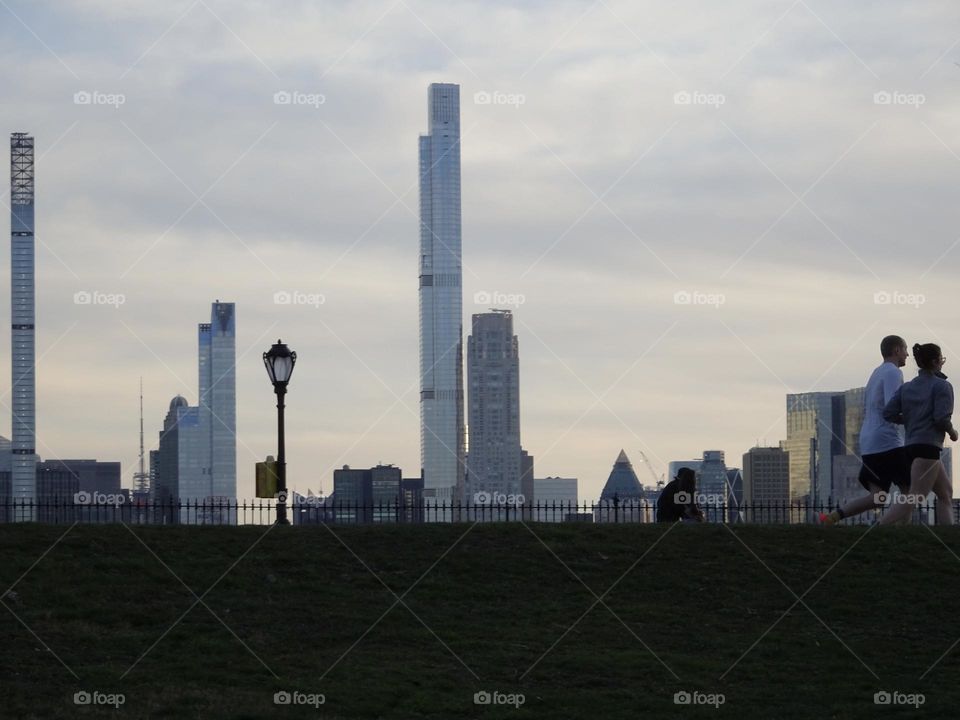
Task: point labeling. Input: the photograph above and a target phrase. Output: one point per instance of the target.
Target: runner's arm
(893, 411)
(943, 408)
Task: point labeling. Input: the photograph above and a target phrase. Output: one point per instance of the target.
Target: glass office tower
(442, 441)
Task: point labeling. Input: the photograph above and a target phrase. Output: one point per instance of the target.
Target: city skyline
(797, 308)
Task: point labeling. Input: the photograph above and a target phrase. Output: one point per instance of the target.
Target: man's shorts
(885, 468)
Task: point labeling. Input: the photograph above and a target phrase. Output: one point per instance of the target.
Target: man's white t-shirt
(877, 435)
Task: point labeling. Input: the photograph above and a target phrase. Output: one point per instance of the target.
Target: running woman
(881, 441)
(924, 407)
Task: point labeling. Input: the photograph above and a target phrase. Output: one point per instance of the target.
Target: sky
(693, 208)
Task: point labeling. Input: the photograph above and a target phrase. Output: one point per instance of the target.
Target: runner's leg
(923, 474)
(944, 493)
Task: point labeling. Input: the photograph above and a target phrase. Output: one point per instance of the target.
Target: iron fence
(264, 512)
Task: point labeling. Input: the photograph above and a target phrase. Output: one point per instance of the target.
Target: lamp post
(279, 361)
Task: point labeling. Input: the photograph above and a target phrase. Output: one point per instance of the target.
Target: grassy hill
(500, 608)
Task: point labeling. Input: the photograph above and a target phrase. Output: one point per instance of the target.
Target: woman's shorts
(924, 452)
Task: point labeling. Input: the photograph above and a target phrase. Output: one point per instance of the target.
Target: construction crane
(657, 481)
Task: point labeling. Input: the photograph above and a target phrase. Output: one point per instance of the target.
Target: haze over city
(691, 210)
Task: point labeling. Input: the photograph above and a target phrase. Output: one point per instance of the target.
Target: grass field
(411, 622)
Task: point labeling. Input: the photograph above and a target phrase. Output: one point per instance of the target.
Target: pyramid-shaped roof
(623, 481)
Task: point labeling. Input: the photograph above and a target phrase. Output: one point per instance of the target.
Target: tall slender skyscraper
(218, 398)
(442, 441)
(22, 303)
(493, 375)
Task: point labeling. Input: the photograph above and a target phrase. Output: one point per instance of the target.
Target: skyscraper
(622, 482)
(712, 485)
(766, 476)
(820, 426)
(178, 463)
(442, 438)
(493, 374)
(218, 398)
(622, 498)
(197, 461)
(22, 304)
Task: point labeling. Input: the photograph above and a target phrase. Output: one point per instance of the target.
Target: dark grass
(489, 602)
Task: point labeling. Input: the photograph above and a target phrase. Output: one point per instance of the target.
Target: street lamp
(279, 361)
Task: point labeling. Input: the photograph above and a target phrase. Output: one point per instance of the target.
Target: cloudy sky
(787, 168)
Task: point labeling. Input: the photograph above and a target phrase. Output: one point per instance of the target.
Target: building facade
(442, 436)
(712, 484)
(23, 488)
(766, 483)
(674, 466)
(217, 345)
(623, 498)
(493, 372)
(554, 499)
(377, 494)
(820, 426)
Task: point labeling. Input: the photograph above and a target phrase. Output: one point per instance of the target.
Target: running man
(881, 442)
(924, 406)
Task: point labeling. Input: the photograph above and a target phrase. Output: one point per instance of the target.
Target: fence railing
(264, 512)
